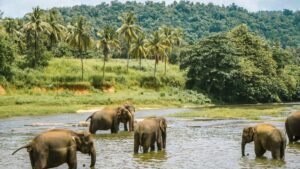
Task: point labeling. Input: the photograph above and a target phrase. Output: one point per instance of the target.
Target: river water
(211, 144)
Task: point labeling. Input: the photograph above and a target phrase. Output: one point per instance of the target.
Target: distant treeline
(197, 19)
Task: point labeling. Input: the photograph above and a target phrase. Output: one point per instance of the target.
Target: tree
(80, 39)
(108, 40)
(212, 65)
(156, 47)
(128, 31)
(7, 56)
(12, 27)
(34, 30)
(167, 35)
(138, 49)
(57, 29)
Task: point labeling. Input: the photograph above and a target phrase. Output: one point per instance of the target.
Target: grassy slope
(45, 99)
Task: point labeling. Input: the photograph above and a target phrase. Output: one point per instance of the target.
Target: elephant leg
(152, 147)
(92, 128)
(125, 127)
(276, 153)
(136, 142)
(289, 134)
(259, 150)
(41, 163)
(296, 138)
(32, 161)
(145, 149)
(72, 160)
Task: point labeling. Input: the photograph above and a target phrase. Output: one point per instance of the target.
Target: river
(212, 144)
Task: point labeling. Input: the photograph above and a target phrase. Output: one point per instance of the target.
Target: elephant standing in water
(150, 131)
(265, 137)
(292, 127)
(55, 147)
(109, 118)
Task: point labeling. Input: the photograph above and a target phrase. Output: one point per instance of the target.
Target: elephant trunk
(243, 145)
(93, 156)
(131, 121)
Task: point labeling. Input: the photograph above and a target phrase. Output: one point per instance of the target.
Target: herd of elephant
(54, 147)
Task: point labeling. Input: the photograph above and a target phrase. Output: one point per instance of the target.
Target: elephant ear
(163, 124)
(251, 132)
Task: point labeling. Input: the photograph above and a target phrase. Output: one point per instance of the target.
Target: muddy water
(190, 144)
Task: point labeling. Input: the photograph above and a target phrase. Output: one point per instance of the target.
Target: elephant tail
(90, 117)
(26, 146)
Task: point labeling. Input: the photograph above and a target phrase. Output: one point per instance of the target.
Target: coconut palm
(156, 47)
(138, 49)
(108, 40)
(12, 27)
(128, 31)
(57, 30)
(80, 38)
(167, 35)
(34, 28)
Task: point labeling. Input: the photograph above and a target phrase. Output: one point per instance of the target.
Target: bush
(151, 82)
(98, 82)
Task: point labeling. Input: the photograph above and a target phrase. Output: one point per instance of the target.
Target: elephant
(292, 127)
(148, 132)
(265, 137)
(57, 146)
(128, 118)
(109, 118)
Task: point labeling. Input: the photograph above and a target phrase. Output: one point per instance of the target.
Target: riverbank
(251, 112)
(31, 104)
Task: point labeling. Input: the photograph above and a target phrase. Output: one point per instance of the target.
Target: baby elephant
(150, 131)
(55, 147)
(265, 137)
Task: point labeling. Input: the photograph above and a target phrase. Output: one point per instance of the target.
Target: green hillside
(198, 20)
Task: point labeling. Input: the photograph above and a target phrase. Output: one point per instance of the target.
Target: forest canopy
(198, 20)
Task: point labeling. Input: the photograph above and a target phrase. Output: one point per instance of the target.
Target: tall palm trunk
(128, 58)
(103, 75)
(140, 62)
(165, 66)
(155, 66)
(81, 58)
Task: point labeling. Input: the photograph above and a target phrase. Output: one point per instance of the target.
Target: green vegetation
(197, 19)
(240, 67)
(232, 62)
(253, 112)
(58, 88)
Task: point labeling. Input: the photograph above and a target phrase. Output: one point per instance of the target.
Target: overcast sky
(17, 8)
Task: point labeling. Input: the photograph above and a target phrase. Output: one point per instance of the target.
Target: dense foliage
(7, 56)
(238, 66)
(197, 19)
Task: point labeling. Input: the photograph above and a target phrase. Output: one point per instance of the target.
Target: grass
(67, 71)
(253, 112)
(21, 104)
(58, 88)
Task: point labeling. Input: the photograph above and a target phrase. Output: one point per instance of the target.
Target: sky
(17, 8)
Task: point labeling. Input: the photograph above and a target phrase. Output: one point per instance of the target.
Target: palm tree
(178, 36)
(34, 29)
(80, 39)
(57, 29)
(138, 49)
(156, 47)
(167, 33)
(128, 31)
(108, 40)
(12, 27)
